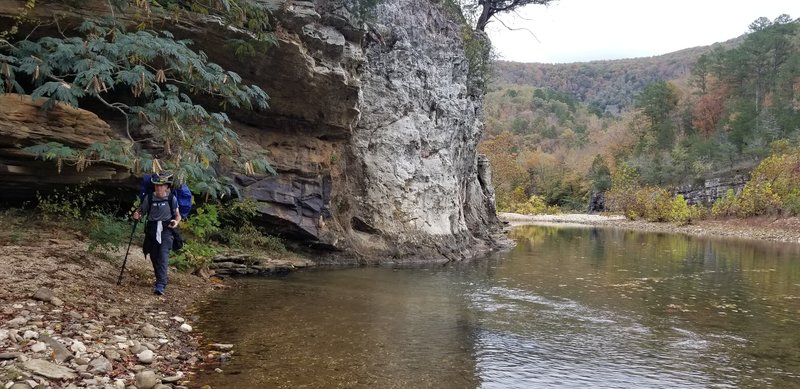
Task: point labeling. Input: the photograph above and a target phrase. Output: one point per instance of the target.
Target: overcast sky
(587, 30)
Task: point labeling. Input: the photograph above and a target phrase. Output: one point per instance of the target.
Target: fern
(152, 80)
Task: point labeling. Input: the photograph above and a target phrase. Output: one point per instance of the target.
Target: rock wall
(411, 178)
(713, 189)
(372, 129)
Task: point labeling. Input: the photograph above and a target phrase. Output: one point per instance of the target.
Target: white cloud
(586, 30)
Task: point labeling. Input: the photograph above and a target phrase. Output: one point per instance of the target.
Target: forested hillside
(604, 85)
(554, 131)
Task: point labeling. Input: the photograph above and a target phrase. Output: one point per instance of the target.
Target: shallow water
(567, 307)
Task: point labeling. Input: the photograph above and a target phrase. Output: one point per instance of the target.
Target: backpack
(182, 193)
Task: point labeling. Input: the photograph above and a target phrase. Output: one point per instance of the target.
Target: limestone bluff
(373, 129)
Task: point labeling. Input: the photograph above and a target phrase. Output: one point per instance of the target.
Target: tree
(490, 8)
(148, 78)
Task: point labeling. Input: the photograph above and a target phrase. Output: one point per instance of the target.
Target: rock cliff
(372, 128)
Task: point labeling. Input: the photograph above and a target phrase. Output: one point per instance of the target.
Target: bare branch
(518, 29)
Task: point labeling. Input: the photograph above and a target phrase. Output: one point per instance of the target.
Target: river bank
(66, 324)
(758, 228)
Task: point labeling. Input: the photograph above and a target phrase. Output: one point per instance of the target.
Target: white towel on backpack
(159, 228)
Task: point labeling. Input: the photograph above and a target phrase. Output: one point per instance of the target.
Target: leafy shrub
(70, 203)
(680, 212)
(248, 237)
(791, 203)
(237, 212)
(193, 255)
(106, 232)
(204, 223)
(653, 204)
(725, 206)
(534, 206)
(758, 198)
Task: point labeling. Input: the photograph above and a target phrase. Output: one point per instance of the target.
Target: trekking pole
(119, 279)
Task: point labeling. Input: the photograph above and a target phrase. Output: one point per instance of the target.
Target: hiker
(159, 233)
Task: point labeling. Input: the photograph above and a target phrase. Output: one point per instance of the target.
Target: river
(567, 307)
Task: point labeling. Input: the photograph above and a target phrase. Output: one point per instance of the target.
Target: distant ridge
(605, 85)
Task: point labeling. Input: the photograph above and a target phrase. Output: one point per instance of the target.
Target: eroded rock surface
(373, 130)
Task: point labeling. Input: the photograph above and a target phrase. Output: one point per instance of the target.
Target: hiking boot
(158, 292)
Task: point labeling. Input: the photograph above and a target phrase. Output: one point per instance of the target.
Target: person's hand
(173, 223)
(136, 215)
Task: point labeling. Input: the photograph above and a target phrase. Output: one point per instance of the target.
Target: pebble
(178, 319)
(3, 335)
(30, 335)
(185, 328)
(148, 331)
(111, 354)
(9, 355)
(100, 365)
(81, 361)
(77, 347)
(43, 294)
(174, 378)
(146, 379)
(39, 347)
(17, 321)
(56, 301)
(222, 346)
(146, 356)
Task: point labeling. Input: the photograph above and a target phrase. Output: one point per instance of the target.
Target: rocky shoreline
(66, 324)
(759, 228)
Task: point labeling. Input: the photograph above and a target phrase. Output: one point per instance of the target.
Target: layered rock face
(412, 175)
(372, 129)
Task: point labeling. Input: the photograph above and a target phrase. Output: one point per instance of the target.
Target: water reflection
(567, 307)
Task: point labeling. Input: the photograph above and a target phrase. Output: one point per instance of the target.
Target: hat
(163, 178)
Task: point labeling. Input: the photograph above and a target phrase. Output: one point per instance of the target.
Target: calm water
(568, 307)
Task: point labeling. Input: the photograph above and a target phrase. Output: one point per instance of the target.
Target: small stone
(111, 354)
(60, 353)
(148, 331)
(30, 335)
(39, 347)
(9, 355)
(75, 315)
(218, 370)
(178, 319)
(185, 328)
(81, 361)
(56, 301)
(222, 346)
(145, 379)
(146, 356)
(100, 365)
(174, 378)
(162, 386)
(138, 348)
(114, 312)
(77, 347)
(49, 370)
(17, 321)
(3, 335)
(150, 346)
(119, 384)
(19, 385)
(163, 341)
(43, 294)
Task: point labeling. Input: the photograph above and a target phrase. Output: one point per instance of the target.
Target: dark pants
(159, 252)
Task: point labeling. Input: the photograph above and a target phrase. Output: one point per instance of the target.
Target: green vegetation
(148, 79)
(555, 131)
